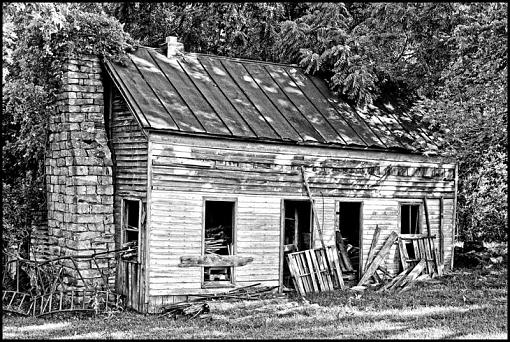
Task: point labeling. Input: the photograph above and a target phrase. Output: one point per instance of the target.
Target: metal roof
(221, 96)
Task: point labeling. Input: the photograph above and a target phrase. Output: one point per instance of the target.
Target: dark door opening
(349, 224)
(219, 233)
(297, 232)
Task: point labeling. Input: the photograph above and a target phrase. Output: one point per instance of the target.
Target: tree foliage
(37, 38)
(446, 63)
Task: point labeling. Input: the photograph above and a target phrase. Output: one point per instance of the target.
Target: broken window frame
(231, 281)
(124, 217)
(408, 243)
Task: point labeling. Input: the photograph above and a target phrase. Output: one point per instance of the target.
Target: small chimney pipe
(173, 46)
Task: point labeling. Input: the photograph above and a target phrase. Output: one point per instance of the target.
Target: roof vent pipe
(173, 46)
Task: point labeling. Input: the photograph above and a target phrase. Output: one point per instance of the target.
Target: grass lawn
(467, 303)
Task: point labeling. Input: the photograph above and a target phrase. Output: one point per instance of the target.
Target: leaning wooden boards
(315, 270)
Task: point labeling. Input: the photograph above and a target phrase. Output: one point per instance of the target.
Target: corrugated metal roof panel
(252, 100)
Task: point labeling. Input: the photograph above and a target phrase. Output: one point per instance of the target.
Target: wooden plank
(441, 234)
(295, 274)
(313, 270)
(343, 253)
(371, 251)
(318, 274)
(403, 253)
(323, 261)
(214, 260)
(378, 258)
(303, 273)
(335, 267)
(426, 212)
(415, 272)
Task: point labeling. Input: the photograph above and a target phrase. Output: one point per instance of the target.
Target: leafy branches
(37, 40)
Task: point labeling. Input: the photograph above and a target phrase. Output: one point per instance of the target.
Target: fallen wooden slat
(397, 278)
(371, 251)
(416, 271)
(385, 249)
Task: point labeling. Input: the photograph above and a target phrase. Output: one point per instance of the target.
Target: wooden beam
(441, 235)
(214, 260)
(426, 215)
(316, 217)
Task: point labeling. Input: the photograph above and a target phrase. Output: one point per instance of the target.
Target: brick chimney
(173, 46)
(79, 170)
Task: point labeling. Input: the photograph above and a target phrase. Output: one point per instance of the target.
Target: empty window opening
(297, 231)
(410, 224)
(349, 226)
(219, 233)
(410, 218)
(131, 215)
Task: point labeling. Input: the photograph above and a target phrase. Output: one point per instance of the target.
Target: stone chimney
(79, 171)
(173, 46)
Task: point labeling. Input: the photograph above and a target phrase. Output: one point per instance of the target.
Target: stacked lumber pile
(216, 240)
(424, 264)
(198, 307)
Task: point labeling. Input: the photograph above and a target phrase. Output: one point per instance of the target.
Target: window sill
(217, 284)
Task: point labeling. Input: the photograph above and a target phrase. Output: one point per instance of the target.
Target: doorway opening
(349, 226)
(297, 231)
(218, 239)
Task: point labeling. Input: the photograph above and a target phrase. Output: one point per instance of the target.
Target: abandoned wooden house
(183, 155)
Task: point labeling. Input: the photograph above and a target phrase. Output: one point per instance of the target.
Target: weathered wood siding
(184, 170)
(130, 147)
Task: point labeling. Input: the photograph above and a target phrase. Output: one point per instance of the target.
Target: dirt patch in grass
(467, 303)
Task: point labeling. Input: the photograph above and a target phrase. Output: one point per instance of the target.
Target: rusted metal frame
(205, 98)
(105, 278)
(302, 114)
(221, 91)
(263, 92)
(78, 270)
